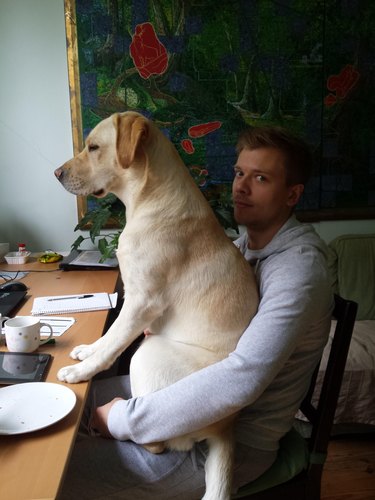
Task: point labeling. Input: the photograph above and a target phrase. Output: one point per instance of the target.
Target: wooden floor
(349, 472)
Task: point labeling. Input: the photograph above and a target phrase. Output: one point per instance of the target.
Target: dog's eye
(93, 147)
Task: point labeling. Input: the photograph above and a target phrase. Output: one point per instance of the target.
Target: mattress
(356, 403)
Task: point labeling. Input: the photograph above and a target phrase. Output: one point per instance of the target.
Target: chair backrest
(283, 480)
(322, 416)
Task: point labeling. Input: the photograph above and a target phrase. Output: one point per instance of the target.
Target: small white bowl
(15, 258)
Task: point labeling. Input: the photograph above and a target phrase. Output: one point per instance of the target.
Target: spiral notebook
(61, 304)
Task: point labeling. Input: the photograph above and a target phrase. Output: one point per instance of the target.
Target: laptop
(10, 300)
(88, 260)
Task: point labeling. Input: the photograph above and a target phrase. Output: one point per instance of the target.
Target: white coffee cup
(22, 334)
(2, 319)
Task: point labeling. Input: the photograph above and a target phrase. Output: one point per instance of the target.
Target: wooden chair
(297, 471)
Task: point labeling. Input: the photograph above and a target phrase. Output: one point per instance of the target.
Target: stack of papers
(60, 304)
(59, 325)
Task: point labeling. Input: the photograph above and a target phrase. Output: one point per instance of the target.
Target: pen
(67, 298)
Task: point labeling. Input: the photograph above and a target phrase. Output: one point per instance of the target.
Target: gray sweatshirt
(268, 374)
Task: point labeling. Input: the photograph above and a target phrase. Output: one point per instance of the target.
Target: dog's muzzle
(59, 174)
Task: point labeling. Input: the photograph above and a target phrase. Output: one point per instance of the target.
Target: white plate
(33, 406)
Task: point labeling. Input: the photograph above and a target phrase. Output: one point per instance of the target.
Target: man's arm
(287, 308)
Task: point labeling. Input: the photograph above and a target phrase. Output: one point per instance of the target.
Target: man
(266, 376)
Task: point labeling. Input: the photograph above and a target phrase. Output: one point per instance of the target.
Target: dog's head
(111, 148)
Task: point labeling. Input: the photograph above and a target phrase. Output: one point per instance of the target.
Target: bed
(352, 261)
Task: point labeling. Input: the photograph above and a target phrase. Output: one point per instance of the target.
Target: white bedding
(356, 404)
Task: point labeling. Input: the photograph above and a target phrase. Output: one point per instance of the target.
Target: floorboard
(349, 472)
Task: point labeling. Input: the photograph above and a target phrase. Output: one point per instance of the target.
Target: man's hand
(99, 419)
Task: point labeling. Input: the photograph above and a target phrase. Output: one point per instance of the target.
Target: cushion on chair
(292, 458)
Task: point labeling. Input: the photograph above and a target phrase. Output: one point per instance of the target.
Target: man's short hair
(298, 158)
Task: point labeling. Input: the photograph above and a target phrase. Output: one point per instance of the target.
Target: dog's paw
(155, 448)
(82, 352)
(72, 374)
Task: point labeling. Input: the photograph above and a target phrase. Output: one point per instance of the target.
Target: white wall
(35, 133)
(331, 229)
(35, 130)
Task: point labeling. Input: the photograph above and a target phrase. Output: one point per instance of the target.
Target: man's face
(262, 199)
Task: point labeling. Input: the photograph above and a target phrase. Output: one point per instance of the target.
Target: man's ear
(295, 193)
(130, 132)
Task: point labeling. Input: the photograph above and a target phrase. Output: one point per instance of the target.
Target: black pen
(75, 297)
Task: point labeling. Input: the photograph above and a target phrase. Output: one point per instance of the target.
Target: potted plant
(107, 214)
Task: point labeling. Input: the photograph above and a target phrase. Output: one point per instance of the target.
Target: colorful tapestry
(204, 69)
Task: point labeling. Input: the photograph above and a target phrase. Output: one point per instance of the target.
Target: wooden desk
(32, 466)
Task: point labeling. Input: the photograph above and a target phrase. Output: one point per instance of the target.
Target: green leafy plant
(222, 205)
(107, 213)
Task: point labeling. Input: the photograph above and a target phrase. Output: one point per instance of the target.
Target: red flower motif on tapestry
(341, 84)
(199, 174)
(197, 131)
(187, 146)
(330, 100)
(203, 129)
(148, 53)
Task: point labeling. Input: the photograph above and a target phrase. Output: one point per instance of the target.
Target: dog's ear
(130, 132)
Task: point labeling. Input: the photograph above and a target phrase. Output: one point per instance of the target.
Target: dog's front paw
(82, 352)
(155, 448)
(72, 374)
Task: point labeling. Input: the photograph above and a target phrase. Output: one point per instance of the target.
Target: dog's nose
(58, 173)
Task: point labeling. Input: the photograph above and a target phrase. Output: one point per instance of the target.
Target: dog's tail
(219, 466)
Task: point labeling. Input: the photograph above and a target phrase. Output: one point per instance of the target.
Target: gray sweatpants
(108, 469)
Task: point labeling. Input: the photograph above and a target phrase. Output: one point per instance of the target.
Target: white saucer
(32, 406)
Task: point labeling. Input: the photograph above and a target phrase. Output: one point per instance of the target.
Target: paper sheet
(59, 325)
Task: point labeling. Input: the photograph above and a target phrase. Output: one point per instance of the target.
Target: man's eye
(238, 173)
(93, 147)
(260, 178)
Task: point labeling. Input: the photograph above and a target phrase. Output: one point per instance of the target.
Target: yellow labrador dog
(184, 280)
